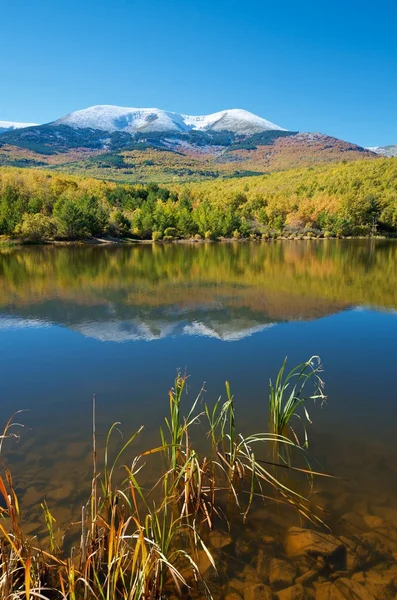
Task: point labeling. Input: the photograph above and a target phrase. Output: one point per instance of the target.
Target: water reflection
(223, 291)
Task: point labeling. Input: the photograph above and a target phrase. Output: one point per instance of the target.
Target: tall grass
(291, 392)
(145, 544)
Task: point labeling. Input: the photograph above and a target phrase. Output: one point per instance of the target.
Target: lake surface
(120, 321)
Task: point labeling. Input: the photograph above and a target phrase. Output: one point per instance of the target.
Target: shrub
(171, 232)
(36, 227)
(156, 235)
(209, 235)
(236, 234)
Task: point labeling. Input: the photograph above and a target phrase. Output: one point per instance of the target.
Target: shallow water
(119, 321)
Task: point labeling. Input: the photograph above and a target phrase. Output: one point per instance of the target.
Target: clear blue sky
(306, 65)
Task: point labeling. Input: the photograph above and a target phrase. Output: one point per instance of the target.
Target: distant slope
(388, 151)
(12, 125)
(179, 159)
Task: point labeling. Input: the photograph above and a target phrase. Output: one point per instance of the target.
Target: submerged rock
(259, 591)
(263, 564)
(251, 575)
(343, 589)
(308, 576)
(360, 552)
(294, 592)
(203, 562)
(237, 585)
(307, 542)
(365, 550)
(281, 573)
(233, 596)
(352, 523)
(388, 513)
(243, 548)
(268, 539)
(374, 522)
(380, 581)
(219, 539)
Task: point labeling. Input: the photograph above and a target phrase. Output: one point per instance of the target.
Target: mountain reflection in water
(227, 291)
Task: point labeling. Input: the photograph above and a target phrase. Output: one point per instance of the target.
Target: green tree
(36, 227)
(70, 219)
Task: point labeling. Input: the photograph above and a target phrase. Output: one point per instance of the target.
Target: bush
(156, 235)
(171, 232)
(36, 227)
(236, 234)
(209, 235)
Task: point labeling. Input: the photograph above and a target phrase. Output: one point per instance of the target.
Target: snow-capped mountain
(234, 142)
(132, 120)
(11, 125)
(388, 151)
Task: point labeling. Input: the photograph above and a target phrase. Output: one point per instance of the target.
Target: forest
(337, 200)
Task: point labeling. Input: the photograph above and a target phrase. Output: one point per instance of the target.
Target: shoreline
(105, 241)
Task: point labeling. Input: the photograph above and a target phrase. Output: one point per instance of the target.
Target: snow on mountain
(11, 125)
(236, 120)
(388, 151)
(131, 120)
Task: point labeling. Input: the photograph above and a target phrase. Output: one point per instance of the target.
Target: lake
(118, 322)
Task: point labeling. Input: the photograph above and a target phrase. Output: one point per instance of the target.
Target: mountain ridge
(12, 125)
(143, 145)
(111, 118)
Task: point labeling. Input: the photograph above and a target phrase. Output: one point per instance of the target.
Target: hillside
(151, 145)
(356, 198)
(183, 161)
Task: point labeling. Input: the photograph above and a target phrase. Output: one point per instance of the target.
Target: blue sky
(307, 66)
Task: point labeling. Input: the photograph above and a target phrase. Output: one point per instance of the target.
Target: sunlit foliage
(357, 198)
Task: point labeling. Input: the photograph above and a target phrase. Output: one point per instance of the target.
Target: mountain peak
(11, 125)
(131, 120)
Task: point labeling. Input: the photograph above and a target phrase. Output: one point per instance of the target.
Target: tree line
(358, 198)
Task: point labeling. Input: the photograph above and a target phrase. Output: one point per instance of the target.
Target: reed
(145, 544)
(291, 392)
